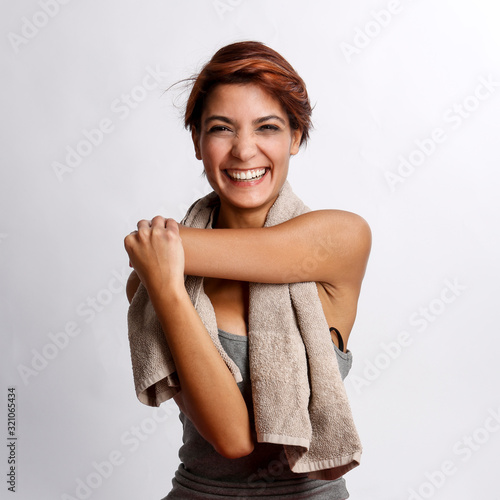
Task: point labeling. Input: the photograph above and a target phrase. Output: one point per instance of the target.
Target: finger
(143, 224)
(172, 225)
(158, 221)
(128, 241)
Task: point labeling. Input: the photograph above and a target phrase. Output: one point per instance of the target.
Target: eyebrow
(227, 120)
(267, 118)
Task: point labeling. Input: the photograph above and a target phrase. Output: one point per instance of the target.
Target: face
(245, 141)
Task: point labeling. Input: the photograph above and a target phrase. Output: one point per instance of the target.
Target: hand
(156, 253)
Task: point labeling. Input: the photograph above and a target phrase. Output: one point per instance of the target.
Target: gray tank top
(204, 474)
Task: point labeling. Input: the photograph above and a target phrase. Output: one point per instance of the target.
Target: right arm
(209, 395)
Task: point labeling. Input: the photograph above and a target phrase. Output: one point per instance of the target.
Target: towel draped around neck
(298, 394)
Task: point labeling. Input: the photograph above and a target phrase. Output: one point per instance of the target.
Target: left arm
(329, 246)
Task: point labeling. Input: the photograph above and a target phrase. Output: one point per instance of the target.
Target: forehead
(242, 99)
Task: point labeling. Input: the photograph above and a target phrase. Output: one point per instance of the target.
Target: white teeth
(248, 174)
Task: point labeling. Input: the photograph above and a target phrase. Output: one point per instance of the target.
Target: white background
(433, 271)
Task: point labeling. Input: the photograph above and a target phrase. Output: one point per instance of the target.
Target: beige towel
(298, 394)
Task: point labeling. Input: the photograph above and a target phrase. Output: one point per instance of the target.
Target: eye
(269, 127)
(219, 128)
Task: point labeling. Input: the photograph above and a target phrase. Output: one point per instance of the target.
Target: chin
(252, 201)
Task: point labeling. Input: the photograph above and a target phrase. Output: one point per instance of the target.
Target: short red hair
(252, 62)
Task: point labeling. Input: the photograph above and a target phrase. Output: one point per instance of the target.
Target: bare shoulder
(347, 224)
(338, 224)
(353, 231)
(133, 283)
(345, 239)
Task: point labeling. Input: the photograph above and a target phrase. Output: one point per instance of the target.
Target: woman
(248, 113)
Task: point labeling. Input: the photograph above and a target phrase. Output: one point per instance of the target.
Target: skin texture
(242, 129)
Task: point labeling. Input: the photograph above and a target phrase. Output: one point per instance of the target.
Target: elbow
(234, 450)
(133, 283)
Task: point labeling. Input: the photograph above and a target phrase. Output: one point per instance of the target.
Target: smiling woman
(264, 391)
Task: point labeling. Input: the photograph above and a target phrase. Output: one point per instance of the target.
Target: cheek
(280, 150)
(212, 152)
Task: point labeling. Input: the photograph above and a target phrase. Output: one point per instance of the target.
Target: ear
(196, 142)
(295, 144)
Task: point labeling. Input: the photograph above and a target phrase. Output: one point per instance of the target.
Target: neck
(231, 217)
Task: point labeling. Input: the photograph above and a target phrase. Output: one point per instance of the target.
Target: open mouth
(246, 175)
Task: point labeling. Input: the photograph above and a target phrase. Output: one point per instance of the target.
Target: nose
(244, 147)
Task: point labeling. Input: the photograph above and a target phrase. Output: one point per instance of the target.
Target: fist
(156, 253)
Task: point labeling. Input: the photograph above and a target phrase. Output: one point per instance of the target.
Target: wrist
(168, 294)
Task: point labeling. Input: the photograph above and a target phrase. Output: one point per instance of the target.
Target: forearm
(324, 246)
(228, 254)
(210, 395)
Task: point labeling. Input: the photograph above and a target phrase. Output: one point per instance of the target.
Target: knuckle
(171, 236)
(143, 234)
(156, 231)
(129, 241)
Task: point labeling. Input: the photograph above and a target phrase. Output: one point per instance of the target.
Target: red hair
(252, 62)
